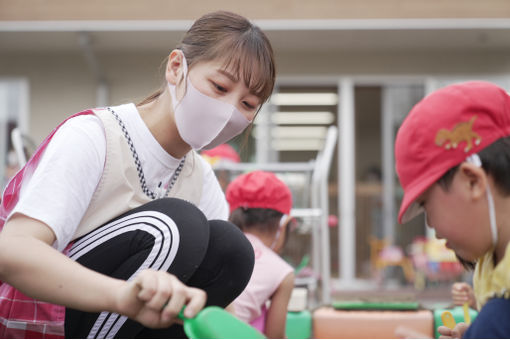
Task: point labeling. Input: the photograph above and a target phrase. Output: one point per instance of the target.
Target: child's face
(459, 216)
(213, 80)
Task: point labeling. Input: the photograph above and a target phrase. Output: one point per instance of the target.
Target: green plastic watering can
(216, 323)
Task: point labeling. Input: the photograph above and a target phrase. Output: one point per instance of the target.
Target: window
(299, 120)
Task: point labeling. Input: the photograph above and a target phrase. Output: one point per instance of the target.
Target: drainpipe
(102, 91)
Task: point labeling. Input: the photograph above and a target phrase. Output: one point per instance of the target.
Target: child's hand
(155, 298)
(463, 292)
(455, 333)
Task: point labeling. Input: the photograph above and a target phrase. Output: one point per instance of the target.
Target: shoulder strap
(11, 193)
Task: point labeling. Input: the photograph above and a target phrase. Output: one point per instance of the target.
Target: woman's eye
(219, 87)
(248, 105)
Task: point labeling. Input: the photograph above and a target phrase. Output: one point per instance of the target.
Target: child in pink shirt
(260, 205)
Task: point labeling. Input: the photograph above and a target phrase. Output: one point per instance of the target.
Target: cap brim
(411, 212)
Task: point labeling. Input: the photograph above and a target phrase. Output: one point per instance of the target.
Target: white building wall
(62, 84)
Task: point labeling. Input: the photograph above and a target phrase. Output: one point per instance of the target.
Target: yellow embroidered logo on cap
(461, 132)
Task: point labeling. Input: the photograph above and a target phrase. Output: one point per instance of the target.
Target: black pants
(166, 234)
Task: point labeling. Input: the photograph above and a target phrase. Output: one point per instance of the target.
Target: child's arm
(277, 313)
(231, 309)
(29, 263)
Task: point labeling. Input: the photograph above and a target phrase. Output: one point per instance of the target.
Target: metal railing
(316, 172)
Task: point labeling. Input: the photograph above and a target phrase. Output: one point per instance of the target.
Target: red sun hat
(442, 130)
(259, 189)
(222, 152)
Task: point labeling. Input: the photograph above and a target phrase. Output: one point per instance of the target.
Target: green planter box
(458, 315)
(299, 325)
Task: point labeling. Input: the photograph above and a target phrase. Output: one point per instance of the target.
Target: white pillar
(102, 90)
(262, 135)
(346, 183)
(102, 94)
(388, 177)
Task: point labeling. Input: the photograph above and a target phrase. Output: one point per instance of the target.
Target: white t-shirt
(63, 183)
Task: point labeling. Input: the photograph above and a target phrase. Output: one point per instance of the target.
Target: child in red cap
(223, 153)
(453, 160)
(260, 205)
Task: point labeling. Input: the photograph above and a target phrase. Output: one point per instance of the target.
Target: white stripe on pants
(160, 257)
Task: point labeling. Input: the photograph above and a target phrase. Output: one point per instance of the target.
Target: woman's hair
(242, 46)
(496, 163)
(264, 220)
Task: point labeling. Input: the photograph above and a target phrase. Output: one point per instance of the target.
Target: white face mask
(204, 122)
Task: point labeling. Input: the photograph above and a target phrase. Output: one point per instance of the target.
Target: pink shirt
(268, 273)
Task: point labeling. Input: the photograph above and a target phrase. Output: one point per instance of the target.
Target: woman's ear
(474, 178)
(174, 72)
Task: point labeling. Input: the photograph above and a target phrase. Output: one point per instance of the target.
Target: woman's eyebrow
(228, 75)
(235, 80)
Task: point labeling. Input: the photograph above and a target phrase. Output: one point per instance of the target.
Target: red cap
(259, 189)
(442, 130)
(222, 152)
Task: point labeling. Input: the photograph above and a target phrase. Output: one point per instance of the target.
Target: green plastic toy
(458, 314)
(299, 325)
(304, 262)
(216, 323)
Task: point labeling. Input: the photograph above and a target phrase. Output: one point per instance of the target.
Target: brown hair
(264, 220)
(244, 48)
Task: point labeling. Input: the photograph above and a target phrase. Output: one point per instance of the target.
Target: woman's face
(458, 218)
(213, 80)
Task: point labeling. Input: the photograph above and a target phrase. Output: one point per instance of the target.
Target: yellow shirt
(492, 281)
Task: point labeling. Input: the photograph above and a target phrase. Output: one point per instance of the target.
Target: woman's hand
(455, 333)
(463, 292)
(155, 298)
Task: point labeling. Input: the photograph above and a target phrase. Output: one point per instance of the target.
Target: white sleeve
(213, 203)
(59, 192)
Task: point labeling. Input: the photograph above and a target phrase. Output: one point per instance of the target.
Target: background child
(452, 157)
(223, 153)
(260, 204)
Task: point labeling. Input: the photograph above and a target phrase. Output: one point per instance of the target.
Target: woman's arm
(277, 313)
(30, 264)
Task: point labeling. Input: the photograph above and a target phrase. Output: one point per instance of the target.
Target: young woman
(452, 156)
(117, 218)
